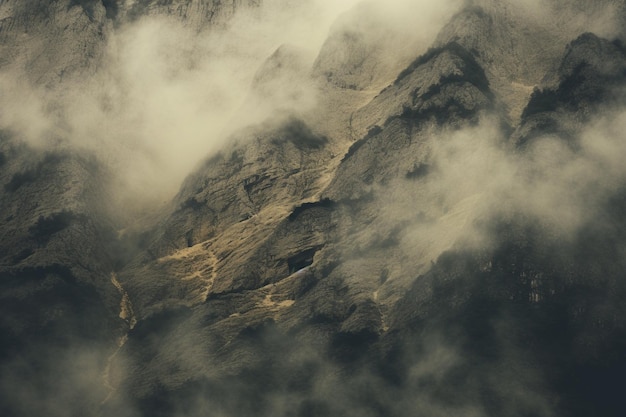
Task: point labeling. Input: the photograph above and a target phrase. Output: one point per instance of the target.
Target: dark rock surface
(58, 248)
(591, 76)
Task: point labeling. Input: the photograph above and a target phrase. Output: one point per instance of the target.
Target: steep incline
(230, 209)
(411, 271)
(64, 314)
(536, 316)
(517, 43)
(57, 248)
(463, 256)
(51, 42)
(198, 14)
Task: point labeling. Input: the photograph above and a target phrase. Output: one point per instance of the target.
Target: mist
(476, 177)
(165, 96)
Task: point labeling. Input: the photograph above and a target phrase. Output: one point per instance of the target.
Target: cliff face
(58, 252)
(54, 41)
(505, 34)
(435, 235)
(196, 13)
(64, 313)
(51, 41)
(411, 271)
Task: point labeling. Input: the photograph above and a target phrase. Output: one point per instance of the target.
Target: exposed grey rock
(285, 279)
(591, 75)
(517, 44)
(446, 86)
(228, 211)
(198, 14)
(49, 42)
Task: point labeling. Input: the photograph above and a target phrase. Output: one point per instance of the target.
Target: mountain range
(283, 208)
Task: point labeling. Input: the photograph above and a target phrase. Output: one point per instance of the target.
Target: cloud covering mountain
(330, 208)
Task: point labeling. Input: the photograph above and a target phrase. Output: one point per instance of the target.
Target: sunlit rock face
(399, 222)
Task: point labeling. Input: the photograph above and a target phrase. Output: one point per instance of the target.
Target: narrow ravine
(128, 315)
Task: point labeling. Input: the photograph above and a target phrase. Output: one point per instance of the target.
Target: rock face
(464, 255)
(359, 50)
(504, 34)
(64, 313)
(52, 41)
(57, 256)
(229, 211)
(196, 13)
(590, 76)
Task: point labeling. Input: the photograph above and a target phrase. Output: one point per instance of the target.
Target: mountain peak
(423, 213)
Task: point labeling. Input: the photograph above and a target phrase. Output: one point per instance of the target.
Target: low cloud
(474, 176)
(54, 381)
(166, 96)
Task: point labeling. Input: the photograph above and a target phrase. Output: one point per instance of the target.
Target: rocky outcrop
(590, 77)
(64, 41)
(370, 43)
(517, 44)
(231, 210)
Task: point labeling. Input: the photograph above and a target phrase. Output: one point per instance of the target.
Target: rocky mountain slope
(58, 252)
(441, 233)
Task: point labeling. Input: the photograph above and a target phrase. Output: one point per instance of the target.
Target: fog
(476, 177)
(166, 96)
(559, 184)
(56, 381)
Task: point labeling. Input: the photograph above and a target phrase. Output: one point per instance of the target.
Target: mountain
(398, 223)
(58, 253)
(197, 13)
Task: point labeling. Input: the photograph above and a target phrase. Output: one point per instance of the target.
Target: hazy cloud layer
(475, 176)
(167, 96)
